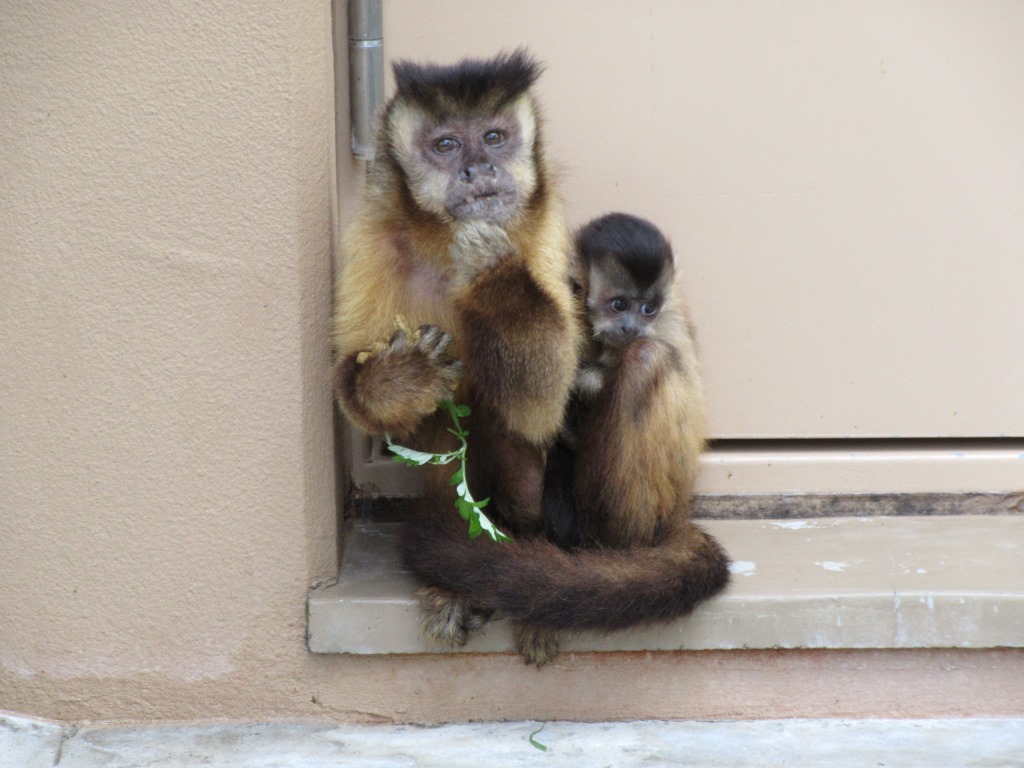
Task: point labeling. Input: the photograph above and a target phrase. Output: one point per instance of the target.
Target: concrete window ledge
(840, 583)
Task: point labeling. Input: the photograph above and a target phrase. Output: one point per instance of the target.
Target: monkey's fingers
(399, 341)
(400, 323)
(373, 351)
(433, 340)
(434, 343)
(451, 373)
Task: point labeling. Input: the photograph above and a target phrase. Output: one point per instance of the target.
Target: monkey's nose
(471, 172)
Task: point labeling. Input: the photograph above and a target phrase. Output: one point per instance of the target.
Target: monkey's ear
(577, 273)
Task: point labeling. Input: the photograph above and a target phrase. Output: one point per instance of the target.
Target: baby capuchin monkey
(620, 549)
(622, 474)
(625, 468)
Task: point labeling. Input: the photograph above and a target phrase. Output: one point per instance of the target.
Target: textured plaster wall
(166, 474)
(166, 469)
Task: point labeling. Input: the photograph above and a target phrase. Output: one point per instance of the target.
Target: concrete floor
(983, 743)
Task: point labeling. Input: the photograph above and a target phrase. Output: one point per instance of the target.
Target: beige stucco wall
(167, 492)
(166, 474)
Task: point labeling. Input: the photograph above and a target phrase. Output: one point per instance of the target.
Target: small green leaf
(490, 529)
(462, 411)
(536, 743)
(413, 458)
(465, 509)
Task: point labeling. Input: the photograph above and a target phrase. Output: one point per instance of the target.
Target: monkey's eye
(619, 305)
(494, 138)
(649, 309)
(446, 145)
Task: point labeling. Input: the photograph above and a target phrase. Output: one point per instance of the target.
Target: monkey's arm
(520, 333)
(386, 381)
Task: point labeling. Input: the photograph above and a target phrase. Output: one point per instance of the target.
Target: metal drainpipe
(356, 452)
(366, 73)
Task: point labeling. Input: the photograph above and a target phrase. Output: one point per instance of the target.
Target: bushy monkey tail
(532, 581)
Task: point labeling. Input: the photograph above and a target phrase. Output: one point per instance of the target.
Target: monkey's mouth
(492, 204)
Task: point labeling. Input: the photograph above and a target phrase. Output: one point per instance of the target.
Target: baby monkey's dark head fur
(464, 137)
(629, 270)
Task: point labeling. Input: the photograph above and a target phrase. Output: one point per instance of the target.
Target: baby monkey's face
(620, 310)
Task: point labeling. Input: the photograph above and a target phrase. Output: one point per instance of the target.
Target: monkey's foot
(536, 646)
(449, 620)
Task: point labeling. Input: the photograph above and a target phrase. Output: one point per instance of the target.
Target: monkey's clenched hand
(392, 387)
(478, 247)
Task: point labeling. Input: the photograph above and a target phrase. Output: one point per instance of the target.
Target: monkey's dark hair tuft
(469, 85)
(636, 243)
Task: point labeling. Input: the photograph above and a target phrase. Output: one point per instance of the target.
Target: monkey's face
(620, 311)
(471, 167)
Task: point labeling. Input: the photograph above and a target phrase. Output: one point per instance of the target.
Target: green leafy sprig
(469, 508)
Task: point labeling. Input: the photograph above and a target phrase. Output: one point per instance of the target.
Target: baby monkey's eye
(649, 309)
(619, 305)
(446, 145)
(494, 138)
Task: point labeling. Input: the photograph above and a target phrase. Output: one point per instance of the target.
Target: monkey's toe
(476, 618)
(447, 619)
(536, 646)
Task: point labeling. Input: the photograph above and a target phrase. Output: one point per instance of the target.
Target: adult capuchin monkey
(461, 236)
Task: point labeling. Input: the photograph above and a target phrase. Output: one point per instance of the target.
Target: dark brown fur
(541, 586)
(507, 302)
